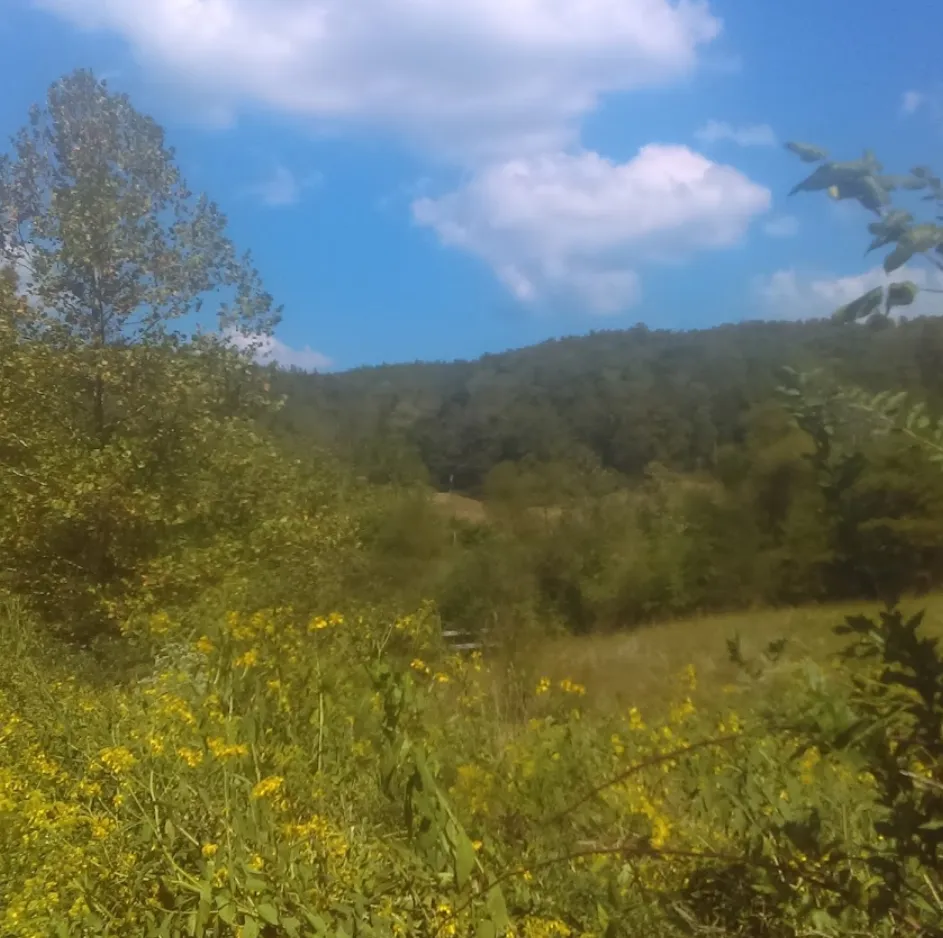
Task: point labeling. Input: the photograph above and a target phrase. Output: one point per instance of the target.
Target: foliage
(274, 740)
(119, 437)
(342, 773)
(865, 182)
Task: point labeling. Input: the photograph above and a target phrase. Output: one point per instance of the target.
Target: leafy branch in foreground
(865, 182)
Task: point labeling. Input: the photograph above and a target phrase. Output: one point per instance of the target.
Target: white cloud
(576, 225)
(269, 349)
(753, 135)
(470, 77)
(911, 101)
(790, 294)
(784, 226)
(497, 87)
(283, 187)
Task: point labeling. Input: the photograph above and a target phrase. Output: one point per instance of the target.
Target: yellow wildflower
(543, 686)
(419, 666)
(570, 687)
(117, 759)
(318, 624)
(174, 706)
(682, 711)
(268, 786)
(442, 678)
(192, 757)
(224, 750)
(209, 850)
(534, 927)
(204, 646)
(248, 659)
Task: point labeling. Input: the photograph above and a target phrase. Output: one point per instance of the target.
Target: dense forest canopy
(617, 399)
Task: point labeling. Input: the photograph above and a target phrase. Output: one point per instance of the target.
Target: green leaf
(860, 308)
(807, 152)
(250, 928)
(227, 913)
(268, 912)
(464, 860)
(902, 253)
(497, 909)
(901, 294)
(829, 175)
(864, 189)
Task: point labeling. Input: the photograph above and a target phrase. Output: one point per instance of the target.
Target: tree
(106, 236)
(117, 401)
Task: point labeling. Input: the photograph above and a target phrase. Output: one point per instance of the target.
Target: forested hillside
(619, 400)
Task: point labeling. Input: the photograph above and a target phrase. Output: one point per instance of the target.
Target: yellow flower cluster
(320, 623)
(192, 756)
(319, 835)
(247, 659)
(204, 646)
(223, 750)
(175, 707)
(117, 759)
(267, 786)
(534, 927)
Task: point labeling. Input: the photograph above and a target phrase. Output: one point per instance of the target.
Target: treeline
(780, 522)
(638, 475)
(616, 401)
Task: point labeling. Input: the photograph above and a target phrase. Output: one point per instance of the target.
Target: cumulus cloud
(753, 135)
(498, 88)
(282, 188)
(479, 77)
(785, 226)
(577, 224)
(268, 349)
(790, 294)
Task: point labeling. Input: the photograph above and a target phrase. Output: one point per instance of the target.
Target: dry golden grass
(641, 668)
(460, 506)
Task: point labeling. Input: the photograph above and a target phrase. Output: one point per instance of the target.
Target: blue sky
(422, 179)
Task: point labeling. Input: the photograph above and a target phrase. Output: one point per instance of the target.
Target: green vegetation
(227, 707)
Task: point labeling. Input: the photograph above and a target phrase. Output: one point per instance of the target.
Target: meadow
(346, 775)
(228, 708)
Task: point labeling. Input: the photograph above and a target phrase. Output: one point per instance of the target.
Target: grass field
(641, 668)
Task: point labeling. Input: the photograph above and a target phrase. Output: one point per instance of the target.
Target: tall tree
(108, 240)
(118, 406)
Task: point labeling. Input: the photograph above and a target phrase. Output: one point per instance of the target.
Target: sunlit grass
(638, 668)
